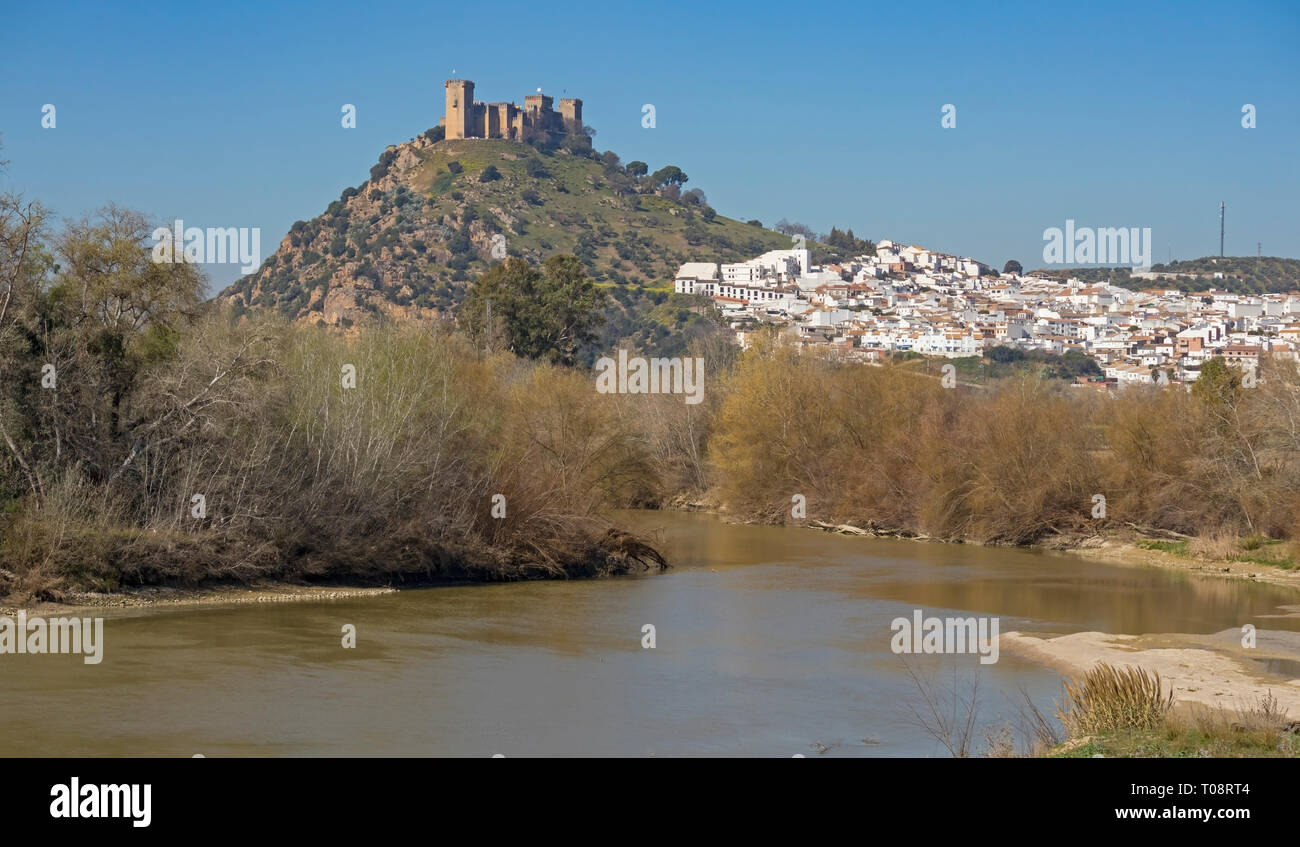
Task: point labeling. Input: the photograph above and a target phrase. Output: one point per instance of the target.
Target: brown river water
(769, 641)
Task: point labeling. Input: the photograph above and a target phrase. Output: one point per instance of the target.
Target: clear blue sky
(1109, 113)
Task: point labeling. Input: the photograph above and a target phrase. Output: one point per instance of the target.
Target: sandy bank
(197, 597)
(1214, 670)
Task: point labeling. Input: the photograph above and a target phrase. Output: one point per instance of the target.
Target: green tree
(669, 175)
(113, 305)
(847, 243)
(1013, 267)
(638, 168)
(1003, 354)
(1218, 385)
(548, 313)
(577, 144)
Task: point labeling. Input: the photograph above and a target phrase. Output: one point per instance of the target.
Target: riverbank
(1210, 670)
(1122, 547)
(579, 556)
(200, 597)
(1127, 551)
(1229, 700)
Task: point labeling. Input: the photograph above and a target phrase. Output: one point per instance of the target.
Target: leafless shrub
(1215, 545)
(1000, 742)
(1041, 731)
(948, 717)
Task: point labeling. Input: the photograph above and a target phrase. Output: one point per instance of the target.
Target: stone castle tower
(468, 118)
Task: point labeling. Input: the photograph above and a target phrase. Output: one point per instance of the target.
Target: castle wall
(466, 118)
(494, 126)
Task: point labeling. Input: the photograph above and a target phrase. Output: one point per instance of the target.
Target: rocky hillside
(435, 213)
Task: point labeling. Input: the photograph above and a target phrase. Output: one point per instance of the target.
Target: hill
(435, 213)
(1240, 274)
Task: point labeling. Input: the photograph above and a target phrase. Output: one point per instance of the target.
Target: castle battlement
(469, 118)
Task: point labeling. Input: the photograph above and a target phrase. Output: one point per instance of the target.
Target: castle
(468, 118)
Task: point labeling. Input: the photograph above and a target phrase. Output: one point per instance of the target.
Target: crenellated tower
(460, 109)
(571, 114)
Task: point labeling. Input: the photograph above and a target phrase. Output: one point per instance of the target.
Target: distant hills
(1241, 274)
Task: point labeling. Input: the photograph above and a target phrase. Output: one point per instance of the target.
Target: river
(769, 641)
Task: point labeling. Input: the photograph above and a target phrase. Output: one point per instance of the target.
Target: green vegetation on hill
(1241, 274)
(1245, 274)
(435, 215)
(1002, 362)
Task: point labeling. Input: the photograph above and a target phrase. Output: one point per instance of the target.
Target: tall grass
(1108, 698)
